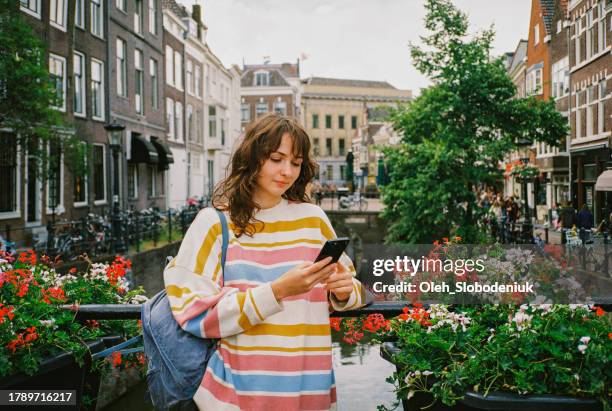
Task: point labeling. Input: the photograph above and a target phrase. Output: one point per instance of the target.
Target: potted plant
(525, 172)
(42, 345)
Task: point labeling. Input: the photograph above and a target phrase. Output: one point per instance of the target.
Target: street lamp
(527, 229)
(115, 141)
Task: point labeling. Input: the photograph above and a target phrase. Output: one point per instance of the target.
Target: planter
(495, 400)
(60, 372)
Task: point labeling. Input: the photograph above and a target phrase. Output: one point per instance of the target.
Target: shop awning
(164, 152)
(143, 151)
(604, 181)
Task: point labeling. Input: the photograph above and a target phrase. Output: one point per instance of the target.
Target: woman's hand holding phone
(302, 278)
(340, 284)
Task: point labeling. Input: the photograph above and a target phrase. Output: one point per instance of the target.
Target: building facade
(269, 88)
(590, 102)
(335, 114)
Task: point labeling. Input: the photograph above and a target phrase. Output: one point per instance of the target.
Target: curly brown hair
(262, 138)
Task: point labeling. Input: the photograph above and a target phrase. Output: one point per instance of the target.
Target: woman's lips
(281, 184)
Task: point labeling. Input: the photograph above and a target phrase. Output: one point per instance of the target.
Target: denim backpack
(176, 358)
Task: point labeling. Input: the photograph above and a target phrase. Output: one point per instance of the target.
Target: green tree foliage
(456, 132)
(26, 94)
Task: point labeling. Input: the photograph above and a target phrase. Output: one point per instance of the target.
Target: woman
(270, 305)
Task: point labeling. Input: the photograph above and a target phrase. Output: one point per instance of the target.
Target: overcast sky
(354, 39)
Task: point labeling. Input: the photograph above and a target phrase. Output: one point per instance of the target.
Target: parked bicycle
(352, 201)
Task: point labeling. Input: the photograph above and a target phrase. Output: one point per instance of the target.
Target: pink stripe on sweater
(199, 305)
(269, 257)
(268, 402)
(262, 362)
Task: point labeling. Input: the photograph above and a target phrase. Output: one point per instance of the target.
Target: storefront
(586, 167)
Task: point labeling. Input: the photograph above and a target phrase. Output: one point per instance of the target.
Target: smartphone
(334, 249)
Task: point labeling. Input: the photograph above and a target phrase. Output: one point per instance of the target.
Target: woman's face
(278, 172)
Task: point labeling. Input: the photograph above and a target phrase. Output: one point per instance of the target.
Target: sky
(352, 39)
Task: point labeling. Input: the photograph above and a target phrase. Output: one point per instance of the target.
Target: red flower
(335, 322)
(73, 270)
(116, 357)
(599, 311)
(92, 324)
(610, 336)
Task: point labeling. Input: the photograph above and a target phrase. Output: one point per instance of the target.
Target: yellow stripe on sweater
(289, 330)
(282, 226)
(243, 321)
(266, 348)
(206, 247)
(254, 305)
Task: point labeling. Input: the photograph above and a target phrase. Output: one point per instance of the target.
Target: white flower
(138, 299)
(582, 348)
(576, 377)
(585, 340)
(47, 323)
(426, 373)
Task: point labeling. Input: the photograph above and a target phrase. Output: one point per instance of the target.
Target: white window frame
(139, 81)
(100, 6)
(60, 207)
(245, 108)
(80, 84)
(154, 74)
(62, 60)
(153, 17)
(104, 170)
(536, 34)
(86, 180)
(121, 5)
(170, 117)
(28, 10)
(212, 122)
(189, 122)
(102, 95)
(178, 70)
(264, 75)
(134, 195)
(53, 12)
(178, 121)
(261, 105)
(16, 213)
(198, 81)
(169, 65)
(282, 105)
(152, 174)
(591, 101)
(601, 95)
(189, 77)
(121, 66)
(138, 17)
(560, 77)
(79, 14)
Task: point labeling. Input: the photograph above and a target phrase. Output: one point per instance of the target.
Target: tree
(27, 95)
(456, 132)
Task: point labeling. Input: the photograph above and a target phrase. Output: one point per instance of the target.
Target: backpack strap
(224, 236)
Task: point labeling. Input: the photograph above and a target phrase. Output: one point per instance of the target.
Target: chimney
(197, 13)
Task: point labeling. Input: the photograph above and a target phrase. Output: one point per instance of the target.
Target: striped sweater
(272, 355)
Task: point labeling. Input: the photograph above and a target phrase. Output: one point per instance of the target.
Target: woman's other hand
(340, 284)
(302, 278)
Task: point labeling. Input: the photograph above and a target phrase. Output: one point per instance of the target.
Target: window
(315, 121)
(261, 109)
(590, 110)
(169, 65)
(340, 121)
(328, 121)
(79, 14)
(590, 35)
(178, 70)
(341, 144)
(97, 22)
(328, 146)
(343, 172)
(559, 26)
(560, 77)
(189, 77)
(57, 75)
(97, 89)
(190, 122)
(121, 5)
(245, 112)
(261, 79)
(601, 29)
(600, 107)
(154, 85)
(353, 122)
(99, 172)
(153, 16)
(212, 121)
(79, 193)
(578, 31)
(139, 80)
(222, 131)
(198, 126)
(55, 178)
(534, 81)
(152, 183)
(57, 14)
(138, 17)
(178, 121)
(31, 7)
(121, 68)
(280, 107)
(330, 172)
(315, 147)
(170, 116)
(79, 83)
(536, 34)
(132, 180)
(9, 174)
(198, 81)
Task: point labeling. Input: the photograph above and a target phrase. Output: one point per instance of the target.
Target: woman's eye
(297, 164)
(276, 160)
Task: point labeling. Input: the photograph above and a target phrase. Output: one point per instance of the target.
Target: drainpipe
(569, 117)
